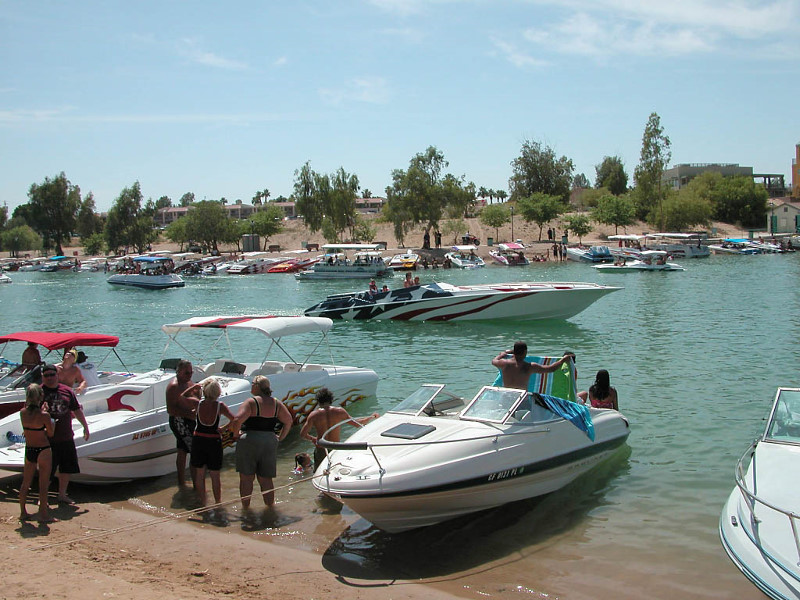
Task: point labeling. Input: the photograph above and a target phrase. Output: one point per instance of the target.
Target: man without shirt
(516, 372)
(182, 411)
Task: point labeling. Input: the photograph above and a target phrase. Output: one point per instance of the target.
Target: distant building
(783, 215)
(237, 211)
(679, 176)
(370, 205)
(796, 173)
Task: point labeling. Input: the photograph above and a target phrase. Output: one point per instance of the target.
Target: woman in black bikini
(37, 427)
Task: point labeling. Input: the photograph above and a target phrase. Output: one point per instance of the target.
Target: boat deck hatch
(408, 431)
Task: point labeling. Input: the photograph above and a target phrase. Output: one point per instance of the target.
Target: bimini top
(511, 246)
(350, 246)
(152, 259)
(271, 326)
(57, 341)
(466, 248)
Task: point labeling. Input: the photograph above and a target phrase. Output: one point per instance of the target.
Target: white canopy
(350, 246)
(271, 326)
(466, 248)
(630, 236)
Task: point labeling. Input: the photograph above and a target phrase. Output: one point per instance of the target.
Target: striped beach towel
(559, 383)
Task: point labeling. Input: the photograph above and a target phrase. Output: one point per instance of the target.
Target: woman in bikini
(207, 441)
(37, 427)
(257, 448)
(601, 394)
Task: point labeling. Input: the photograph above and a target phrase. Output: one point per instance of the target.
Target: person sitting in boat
(70, 374)
(601, 394)
(31, 357)
(385, 288)
(373, 287)
(516, 372)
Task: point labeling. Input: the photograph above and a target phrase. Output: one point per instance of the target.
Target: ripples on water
(696, 358)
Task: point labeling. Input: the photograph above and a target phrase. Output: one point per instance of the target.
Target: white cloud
(68, 115)
(515, 56)
(372, 90)
(280, 62)
(190, 49)
(605, 28)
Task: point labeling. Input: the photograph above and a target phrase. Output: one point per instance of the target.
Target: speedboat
(293, 265)
(130, 436)
(446, 302)
(436, 456)
(510, 255)
(593, 254)
(759, 522)
(651, 260)
(58, 263)
(5, 278)
(155, 273)
(404, 262)
(367, 263)
(18, 377)
(464, 257)
(251, 263)
(678, 245)
(736, 246)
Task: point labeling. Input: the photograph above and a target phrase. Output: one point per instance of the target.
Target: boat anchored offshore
(593, 254)
(464, 257)
(155, 274)
(759, 522)
(651, 260)
(130, 436)
(445, 302)
(435, 457)
(367, 263)
(510, 255)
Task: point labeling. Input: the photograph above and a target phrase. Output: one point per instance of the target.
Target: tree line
(423, 194)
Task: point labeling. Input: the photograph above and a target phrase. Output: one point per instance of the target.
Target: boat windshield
(784, 423)
(493, 404)
(419, 400)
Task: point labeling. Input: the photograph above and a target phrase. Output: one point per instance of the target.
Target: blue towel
(575, 413)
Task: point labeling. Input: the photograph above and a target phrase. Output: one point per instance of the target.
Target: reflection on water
(363, 551)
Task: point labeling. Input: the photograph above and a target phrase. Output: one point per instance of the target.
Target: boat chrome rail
(751, 499)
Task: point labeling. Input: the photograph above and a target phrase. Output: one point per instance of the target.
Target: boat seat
(268, 368)
(169, 364)
(313, 368)
(292, 367)
(233, 368)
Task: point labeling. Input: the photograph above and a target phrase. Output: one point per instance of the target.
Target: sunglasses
(50, 374)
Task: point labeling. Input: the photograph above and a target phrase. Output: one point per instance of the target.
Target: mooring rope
(172, 517)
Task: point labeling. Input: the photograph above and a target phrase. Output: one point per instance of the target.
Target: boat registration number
(505, 474)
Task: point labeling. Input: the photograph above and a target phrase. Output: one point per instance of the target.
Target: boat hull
(150, 282)
(424, 484)
(521, 301)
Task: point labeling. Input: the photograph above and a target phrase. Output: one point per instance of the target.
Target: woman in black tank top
(256, 449)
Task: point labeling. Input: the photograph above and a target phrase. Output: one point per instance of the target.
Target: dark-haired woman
(601, 394)
(257, 448)
(37, 427)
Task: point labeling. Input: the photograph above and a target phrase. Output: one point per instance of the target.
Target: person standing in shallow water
(182, 410)
(516, 372)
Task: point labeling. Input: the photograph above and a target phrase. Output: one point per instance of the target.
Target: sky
(225, 99)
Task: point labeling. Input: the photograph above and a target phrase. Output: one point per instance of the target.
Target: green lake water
(696, 357)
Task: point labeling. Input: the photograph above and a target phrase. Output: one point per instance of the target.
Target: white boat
(592, 254)
(435, 457)
(58, 263)
(251, 263)
(5, 278)
(736, 246)
(155, 273)
(367, 263)
(651, 260)
(464, 257)
(130, 436)
(404, 262)
(33, 265)
(445, 302)
(18, 377)
(510, 255)
(759, 522)
(678, 245)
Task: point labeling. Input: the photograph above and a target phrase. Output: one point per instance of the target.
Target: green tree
(540, 209)
(176, 232)
(423, 193)
(88, 222)
(3, 216)
(579, 225)
(739, 200)
(685, 209)
(54, 206)
(93, 244)
(537, 170)
(495, 215)
(454, 227)
(163, 202)
(364, 231)
(20, 238)
(304, 196)
(581, 182)
(618, 211)
(129, 223)
(267, 222)
(611, 175)
(187, 199)
(653, 160)
(208, 224)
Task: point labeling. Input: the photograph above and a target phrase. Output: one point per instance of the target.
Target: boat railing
(752, 500)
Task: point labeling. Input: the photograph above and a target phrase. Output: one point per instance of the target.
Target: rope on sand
(173, 517)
